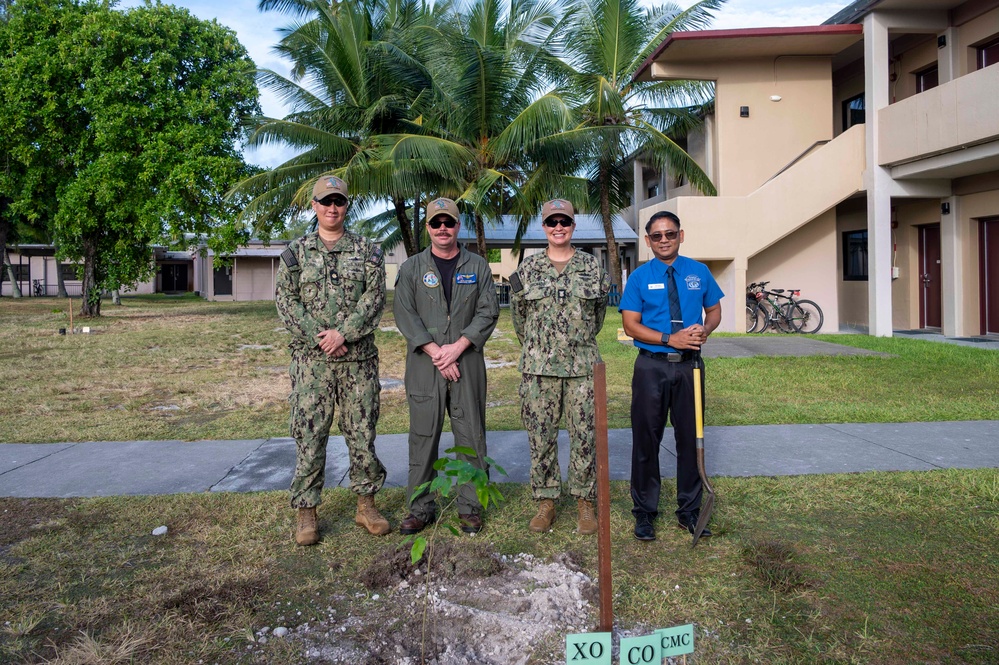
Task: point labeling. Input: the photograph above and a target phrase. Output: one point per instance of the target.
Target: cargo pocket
(422, 413)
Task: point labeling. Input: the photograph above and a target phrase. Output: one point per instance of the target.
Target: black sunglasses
(436, 223)
(669, 235)
(563, 222)
(331, 200)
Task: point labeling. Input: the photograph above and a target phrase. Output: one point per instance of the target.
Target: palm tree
(607, 43)
(354, 80)
(485, 141)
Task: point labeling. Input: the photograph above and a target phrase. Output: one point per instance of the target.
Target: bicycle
(764, 311)
(804, 315)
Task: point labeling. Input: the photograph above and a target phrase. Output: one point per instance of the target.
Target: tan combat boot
(587, 523)
(369, 517)
(307, 532)
(546, 515)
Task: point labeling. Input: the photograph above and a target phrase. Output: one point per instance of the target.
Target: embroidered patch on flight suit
(430, 280)
(470, 278)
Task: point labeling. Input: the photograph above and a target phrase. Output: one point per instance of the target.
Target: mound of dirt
(474, 607)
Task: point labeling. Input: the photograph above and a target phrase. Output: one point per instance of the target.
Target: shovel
(709, 501)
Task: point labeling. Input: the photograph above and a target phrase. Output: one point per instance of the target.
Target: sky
(258, 33)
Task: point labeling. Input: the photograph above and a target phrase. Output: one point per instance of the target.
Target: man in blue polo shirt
(661, 309)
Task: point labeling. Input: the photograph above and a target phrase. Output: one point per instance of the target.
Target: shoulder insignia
(376, 256)
(515, 283)
(289, 259)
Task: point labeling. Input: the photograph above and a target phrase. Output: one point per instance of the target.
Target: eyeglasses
(669, 235)
(331, 200)
(561, 221)
(436, 223)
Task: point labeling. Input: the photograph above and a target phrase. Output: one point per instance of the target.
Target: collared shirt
(646, 293)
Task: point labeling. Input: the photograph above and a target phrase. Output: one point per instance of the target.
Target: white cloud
(770, 13)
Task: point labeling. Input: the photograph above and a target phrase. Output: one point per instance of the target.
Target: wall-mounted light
(945, 208)
(775, 98)
(941, 41)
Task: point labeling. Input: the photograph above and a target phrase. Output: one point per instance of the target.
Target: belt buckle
(674, 357)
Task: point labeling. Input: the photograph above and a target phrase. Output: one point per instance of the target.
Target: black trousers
(659, 389)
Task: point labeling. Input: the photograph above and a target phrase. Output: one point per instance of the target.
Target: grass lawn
(181, 368)
(877, 568)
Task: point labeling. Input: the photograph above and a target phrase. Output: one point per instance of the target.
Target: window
(927, 78)
(855, 256)
(69, 272)
(853, 111)
(21, 272)
(988, 54)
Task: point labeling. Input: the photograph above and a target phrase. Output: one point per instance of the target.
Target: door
(223, 281)
(174, 278)
(929, 273)
(988, 248)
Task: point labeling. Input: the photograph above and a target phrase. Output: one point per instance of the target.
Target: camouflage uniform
(341, 289)
(557, 318)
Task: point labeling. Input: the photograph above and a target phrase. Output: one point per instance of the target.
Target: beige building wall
(852, 296)
(971, 35)
(254, 278)
(804, 260)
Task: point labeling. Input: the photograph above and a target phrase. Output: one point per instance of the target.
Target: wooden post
(603, 499)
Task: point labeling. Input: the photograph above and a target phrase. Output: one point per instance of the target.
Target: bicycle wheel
(767, 320)
(753, 317)
(783, 318)
(807, 317)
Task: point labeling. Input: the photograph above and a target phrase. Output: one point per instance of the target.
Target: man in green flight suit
(446, 308)
(330, 296)
(558, 306)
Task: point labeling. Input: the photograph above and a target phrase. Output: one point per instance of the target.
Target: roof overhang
(709, 46)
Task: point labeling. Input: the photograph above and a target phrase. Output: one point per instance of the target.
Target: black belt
(668, 357)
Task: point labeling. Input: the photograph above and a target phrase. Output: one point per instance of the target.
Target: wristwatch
(665, 339)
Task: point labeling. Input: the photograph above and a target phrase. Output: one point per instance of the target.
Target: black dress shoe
(689, 522)
(412, 524)
(643, 527)
(470, 522)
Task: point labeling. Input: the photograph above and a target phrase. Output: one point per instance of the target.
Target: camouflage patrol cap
(557, 207)
(327, 185)
(443, 206)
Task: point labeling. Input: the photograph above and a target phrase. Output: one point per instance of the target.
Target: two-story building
(856, 160)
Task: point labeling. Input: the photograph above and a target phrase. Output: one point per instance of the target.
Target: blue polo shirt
(646, 294)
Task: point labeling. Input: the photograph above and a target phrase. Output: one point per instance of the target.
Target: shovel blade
(702, 519)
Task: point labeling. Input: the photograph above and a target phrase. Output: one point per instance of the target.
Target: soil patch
(476, 607)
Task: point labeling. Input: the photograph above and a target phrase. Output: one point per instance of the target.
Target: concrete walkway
(167, 467)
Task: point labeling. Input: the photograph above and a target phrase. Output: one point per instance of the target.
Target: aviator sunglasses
(552, 223)
(436, 223)
(331, 200)
(669, 235)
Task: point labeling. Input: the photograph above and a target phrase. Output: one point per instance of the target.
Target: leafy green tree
(607, 43)
(131, 129)
(356, 77)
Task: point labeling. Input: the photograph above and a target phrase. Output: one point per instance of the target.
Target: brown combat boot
(587, 523)
(546, 515)
(307, 532)
(369, 517)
